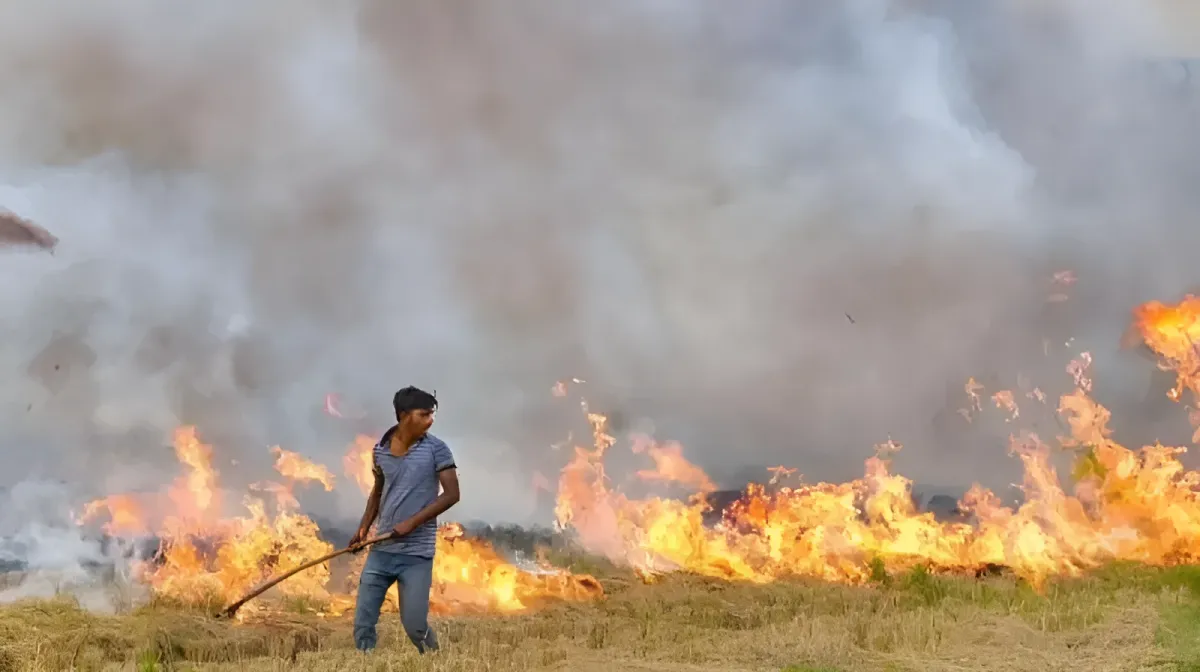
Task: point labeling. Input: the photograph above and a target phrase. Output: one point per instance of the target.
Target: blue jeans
(415, 575)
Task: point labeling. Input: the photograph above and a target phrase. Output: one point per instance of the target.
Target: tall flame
(1125, 505)
(1173, 332)
(1117, 504)
(468, 574)
(296, 468)
(205, 556)
(357, 462)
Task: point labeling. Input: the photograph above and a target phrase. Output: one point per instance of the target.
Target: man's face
(418, 421)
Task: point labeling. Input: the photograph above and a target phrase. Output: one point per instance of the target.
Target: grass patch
(915, 620)
(1179, 633)
(578, 562)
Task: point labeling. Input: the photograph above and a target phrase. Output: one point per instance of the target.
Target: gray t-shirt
(410, 483)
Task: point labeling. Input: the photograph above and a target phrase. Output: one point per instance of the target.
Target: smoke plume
(779, 231)
(37, 532)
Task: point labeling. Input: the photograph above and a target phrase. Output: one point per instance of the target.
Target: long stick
(232, 609)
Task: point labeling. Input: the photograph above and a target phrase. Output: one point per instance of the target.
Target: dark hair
(412, 399)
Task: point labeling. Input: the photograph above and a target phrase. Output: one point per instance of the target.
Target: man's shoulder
(383, 440)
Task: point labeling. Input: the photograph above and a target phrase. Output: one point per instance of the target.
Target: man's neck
(401, 441)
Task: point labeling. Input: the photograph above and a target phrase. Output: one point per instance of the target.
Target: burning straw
(208, 556)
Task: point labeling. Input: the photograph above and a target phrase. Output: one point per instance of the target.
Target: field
(1124, 617)
(721, 598)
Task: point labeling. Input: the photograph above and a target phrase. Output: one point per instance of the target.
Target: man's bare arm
(448, 478)
(372, 510)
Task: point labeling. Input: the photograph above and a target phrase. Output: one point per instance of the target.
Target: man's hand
(356, 542)
(405, 526)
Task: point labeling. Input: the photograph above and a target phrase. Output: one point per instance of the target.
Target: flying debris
(1061, 281)
(1065, 278)
(15, 230)
(335, 407)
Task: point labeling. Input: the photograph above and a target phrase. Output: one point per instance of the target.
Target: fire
(206, 556)
(1173, 332)
(296, 468)
(670, 465)
(469, 576)
(194, 494)
(1122, 504)
(192, 498)
(248, 550)
(335, 408)
(357, 462)
(1005, 401)
(127, 516)
(1117, 504)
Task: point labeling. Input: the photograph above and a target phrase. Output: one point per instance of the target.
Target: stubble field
(1123, 617)
(1125, 505)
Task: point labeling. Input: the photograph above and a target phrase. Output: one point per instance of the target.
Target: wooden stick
(232, 609)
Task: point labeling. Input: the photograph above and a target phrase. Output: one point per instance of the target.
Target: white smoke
(782, 233)
(45, 554)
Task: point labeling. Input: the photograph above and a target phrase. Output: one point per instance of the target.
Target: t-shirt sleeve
(443, 459)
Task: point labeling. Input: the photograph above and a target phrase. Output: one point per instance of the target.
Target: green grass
(1179, 633)
(1124, 617)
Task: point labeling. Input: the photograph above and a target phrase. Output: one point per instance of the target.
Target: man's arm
(372, 510)
(448, 478)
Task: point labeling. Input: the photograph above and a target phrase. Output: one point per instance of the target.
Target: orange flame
(1127, 505)
(471, 577)
(358, 462)
(468, 574)
(194, 494)
(1119, 504)
(127, 516)
(205, 556)
(670, 465)
(295, 467)
(1173, 332)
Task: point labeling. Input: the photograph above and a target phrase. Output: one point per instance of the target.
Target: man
(409, 465)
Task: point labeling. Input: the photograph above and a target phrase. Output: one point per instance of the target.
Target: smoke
(37, 534)
(782, 234)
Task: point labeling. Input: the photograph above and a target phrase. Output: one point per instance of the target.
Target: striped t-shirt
(410, 483)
